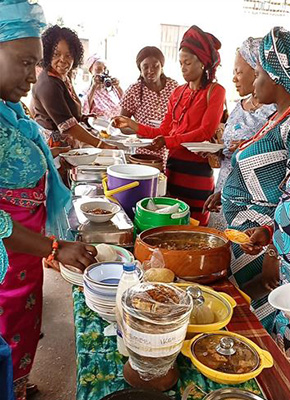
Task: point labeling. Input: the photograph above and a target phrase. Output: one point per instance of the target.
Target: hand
(56, 151)
(85, 117)
(259, 237)
(270, 272)
(96, 81)
(124, 122)
(115, 82)
(234, 145)
(78, 254)
(157, 144)
(213, 203)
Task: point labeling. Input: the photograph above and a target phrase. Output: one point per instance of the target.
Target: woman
(147, 99)
(101, 99)
(55, 104)
(247, 117)
(191, 117)
(28, 179)
(251, 192)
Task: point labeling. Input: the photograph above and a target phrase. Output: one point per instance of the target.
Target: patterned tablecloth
(100, 366)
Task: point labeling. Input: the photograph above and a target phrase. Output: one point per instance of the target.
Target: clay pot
(147, 159)
(197, 265)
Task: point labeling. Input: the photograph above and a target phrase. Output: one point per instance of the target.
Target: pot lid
(232, 394)
(225, 353)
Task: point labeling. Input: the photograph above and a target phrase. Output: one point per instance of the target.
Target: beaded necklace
(264, 130)
(186, 106)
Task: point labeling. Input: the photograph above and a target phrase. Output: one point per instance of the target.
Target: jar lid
(232, 394)
(225, 353)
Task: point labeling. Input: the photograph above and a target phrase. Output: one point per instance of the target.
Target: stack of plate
(75, 276)
(71, 274)
(100, 287)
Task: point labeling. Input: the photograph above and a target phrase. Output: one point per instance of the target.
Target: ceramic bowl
(99, 218)
(82, 156)
(106, 275)
(279, 298)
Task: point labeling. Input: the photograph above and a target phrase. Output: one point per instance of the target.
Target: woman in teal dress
(31, 193)
(251, 194)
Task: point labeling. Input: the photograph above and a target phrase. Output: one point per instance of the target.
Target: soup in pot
(184, 240)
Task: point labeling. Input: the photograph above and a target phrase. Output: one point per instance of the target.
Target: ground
(54, 368)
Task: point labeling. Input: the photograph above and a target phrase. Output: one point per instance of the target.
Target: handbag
(214, 160)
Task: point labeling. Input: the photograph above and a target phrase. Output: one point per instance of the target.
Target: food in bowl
(99, 211)
(106, 253)
(238, 359)
(77, 153)
(182, 241)
(104, 134)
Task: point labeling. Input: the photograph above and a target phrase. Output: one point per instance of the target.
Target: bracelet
(272, 253)
(54, 246)
(270, 229)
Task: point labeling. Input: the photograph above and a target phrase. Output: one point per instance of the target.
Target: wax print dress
(146, 106)
(250, 197)
(241, 125)
(281, 240)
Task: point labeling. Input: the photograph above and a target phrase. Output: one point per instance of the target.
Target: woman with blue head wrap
(273, 84)
(251, 192)
(244, 121)
(30, 189)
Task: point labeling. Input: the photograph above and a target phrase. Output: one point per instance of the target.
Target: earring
(202, 67)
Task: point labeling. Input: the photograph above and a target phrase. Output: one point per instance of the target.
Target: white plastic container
(128, 279)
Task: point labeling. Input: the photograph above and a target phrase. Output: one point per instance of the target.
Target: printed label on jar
(154, 345)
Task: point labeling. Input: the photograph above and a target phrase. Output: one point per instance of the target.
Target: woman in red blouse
(192, 116)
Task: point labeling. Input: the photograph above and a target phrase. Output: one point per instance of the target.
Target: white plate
(139, 143)
(206, 147)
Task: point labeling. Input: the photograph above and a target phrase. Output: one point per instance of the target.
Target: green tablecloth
(100, 366)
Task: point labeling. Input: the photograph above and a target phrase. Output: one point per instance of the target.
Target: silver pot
(232, 393)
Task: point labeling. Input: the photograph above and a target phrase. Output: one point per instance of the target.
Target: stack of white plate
(75, 276)
(100, 287)
(71, 274)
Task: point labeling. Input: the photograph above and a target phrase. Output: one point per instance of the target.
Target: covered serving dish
(226, 357)
(232, 394)
(193, 253)
(221, 304)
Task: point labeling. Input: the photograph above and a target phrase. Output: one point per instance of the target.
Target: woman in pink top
(104, 94)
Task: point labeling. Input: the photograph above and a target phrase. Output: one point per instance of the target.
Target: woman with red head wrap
(193, 115)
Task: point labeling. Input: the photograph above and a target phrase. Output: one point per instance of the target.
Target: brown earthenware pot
(203, 265)
(147, 159)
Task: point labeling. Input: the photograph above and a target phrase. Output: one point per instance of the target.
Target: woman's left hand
(157, 144)
(85, 117)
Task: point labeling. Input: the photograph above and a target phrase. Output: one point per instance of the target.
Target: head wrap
(20, 19)
(150, 51)
(92, 59)
(275, 56)
(205, 46)
(249, 50)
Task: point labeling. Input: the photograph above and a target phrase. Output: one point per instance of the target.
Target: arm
(23, 240)
(60, 112)
(209, 123)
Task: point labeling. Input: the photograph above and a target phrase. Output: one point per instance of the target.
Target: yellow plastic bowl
(266, 361)
(220, 303)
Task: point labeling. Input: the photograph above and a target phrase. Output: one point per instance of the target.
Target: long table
(100, 366)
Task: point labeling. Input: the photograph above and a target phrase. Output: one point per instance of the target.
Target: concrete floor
(54, 369)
